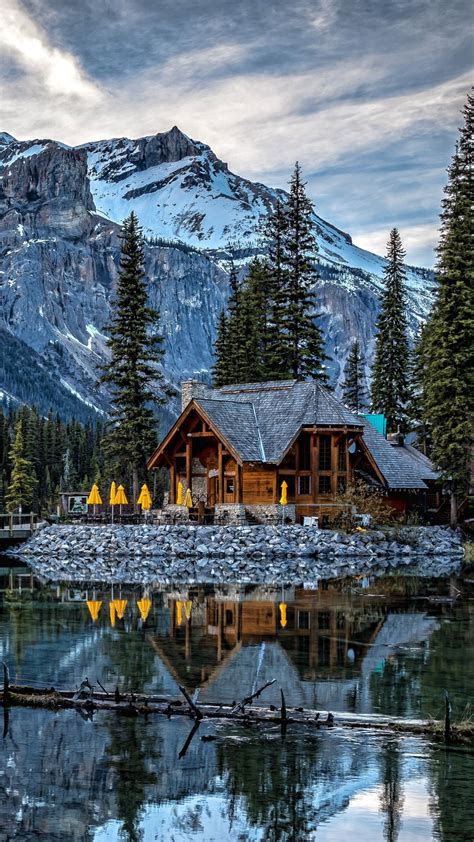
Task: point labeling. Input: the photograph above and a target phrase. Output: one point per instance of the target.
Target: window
(229, 486)
(304, 457)
(341, 456)
(229, 617)
(303, 619)
(341, 484)
(304, 485)
(324, 453)
(324, 485)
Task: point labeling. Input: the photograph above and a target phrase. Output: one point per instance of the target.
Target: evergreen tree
(222, 367)
(135, 353)
(23, 481)
(448, 385)
(354, 391)
(297, 348)
(390, 390)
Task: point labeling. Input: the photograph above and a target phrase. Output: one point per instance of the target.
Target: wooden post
(189, 464)
(237, 483)
(173, 483)
(221, 472)
(31, 522)
(334, 458)
(314, 466)
(10, 526)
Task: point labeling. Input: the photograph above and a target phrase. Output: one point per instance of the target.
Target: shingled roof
(260, 420)
(402, 467)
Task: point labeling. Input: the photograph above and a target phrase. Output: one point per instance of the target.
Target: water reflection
(382, 646)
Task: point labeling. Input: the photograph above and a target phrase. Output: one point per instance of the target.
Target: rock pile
(213, 553)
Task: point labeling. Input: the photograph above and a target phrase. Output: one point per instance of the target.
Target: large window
(304, 485)
(304, 458)
(341, 456)
(324, 485)
(324, 453)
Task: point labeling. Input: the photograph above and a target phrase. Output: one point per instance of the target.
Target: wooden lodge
(234, 447)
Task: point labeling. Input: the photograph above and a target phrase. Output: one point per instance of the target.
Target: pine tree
(390, 373)
(221, 368)
(298, 347)
(354, 392)
(448, 386)
(23, 481)
(135, 353)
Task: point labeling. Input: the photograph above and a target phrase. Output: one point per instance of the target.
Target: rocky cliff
(60, 210)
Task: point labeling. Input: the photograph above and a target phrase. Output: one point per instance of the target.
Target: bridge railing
(13, 522)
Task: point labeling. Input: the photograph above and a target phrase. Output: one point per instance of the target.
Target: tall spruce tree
(354, 391)
(221, 371)
(449, 355)
(298, 347)
(390, 380)
(23, 481)
(136, 349)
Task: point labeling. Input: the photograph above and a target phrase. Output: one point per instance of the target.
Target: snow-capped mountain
(60, 208)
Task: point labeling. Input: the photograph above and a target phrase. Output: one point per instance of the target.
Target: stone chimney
(397, 439)
(192, 389)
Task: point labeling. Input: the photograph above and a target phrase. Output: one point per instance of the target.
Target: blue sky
(366, 94)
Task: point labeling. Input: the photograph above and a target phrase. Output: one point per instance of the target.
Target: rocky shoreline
(229, 554)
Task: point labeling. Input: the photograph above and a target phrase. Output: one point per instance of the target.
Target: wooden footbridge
(15, 527)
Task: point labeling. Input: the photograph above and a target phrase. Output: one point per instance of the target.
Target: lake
(389, 645)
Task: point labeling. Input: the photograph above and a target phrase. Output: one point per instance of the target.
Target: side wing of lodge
(233, 447)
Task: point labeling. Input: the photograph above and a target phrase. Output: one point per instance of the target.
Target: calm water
(390, 646)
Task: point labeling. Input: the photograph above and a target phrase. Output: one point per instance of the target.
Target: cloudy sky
(365, 93)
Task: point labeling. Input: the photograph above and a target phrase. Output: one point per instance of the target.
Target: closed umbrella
(120, 606)
(94, 498)
(144, 606)
(284, 498)
(112, 614)
(121, 497)
(188, 502)
(283, 619)
(144, 499)
(179, 498)
(94, 608)
(112, 494)
(179, 613)
(188, 608)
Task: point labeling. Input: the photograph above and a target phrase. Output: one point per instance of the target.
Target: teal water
(390, 646)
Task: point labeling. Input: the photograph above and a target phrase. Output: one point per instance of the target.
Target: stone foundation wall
(172, 514)
(230, 514)
(272, 514)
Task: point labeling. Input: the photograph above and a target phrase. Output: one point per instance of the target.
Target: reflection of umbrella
(179, 613)
(94, 498)
(179, 498)
(112, 613)
(120, 606)
(283, 620)
(112, 493)
(144, 605)
(121, 498)
(188, 500)
(187, 608)
(94, 608)
(144, 499)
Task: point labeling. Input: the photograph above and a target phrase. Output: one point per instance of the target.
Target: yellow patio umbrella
(283, 620)
(144, 499)
(112, 493)
(112, 613)
(179, 498)
(179, 613)
(188, 608)
(284, 497)
(94, 608)
(94, 499)
(121, 497)
(144, 605)
(120, 606)
(188, 502)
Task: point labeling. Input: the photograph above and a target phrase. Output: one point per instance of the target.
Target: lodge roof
(260, 420)
(401, 466)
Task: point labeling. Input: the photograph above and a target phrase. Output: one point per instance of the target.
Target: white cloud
(419, 240)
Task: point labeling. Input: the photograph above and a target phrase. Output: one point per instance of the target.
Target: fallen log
(137, 704)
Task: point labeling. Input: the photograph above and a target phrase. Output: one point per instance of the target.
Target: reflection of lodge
(234, 447)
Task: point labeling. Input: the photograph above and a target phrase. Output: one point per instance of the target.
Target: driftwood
(87, 702)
